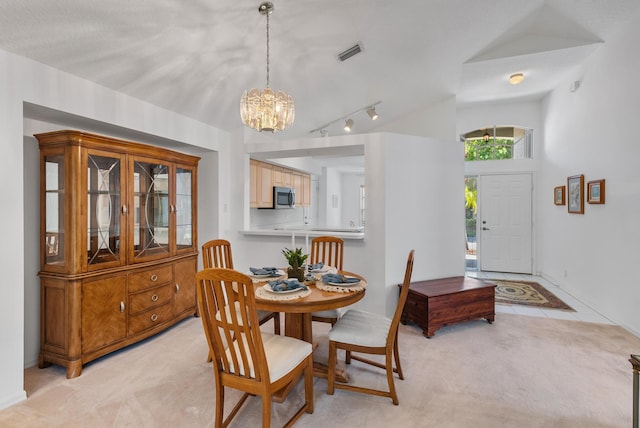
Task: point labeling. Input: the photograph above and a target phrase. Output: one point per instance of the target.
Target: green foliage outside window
(471, 205)
(478, 149)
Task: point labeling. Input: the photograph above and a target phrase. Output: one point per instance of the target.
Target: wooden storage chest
(439, 302)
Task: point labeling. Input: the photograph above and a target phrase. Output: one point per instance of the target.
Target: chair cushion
(331, 313)
(262, 315)
(283, 353)
(361, 328)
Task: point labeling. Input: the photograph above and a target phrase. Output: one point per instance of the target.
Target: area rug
(527, 293)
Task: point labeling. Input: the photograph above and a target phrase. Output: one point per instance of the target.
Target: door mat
(527, 293)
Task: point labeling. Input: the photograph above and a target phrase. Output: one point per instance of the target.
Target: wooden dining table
(297, 314)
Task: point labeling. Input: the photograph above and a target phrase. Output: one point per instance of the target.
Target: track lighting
(371, 111)
(348, 124)
(324, 133)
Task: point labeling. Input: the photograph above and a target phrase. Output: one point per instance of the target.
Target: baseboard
(13, 399)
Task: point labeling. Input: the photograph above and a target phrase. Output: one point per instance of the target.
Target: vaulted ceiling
(197, 57)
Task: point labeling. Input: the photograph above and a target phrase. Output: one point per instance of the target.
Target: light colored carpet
(518, 372)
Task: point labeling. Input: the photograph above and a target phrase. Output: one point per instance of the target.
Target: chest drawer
(150, 318)
(150, 278)
(144, 300)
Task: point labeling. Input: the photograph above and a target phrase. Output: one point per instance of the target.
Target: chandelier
(267, 110)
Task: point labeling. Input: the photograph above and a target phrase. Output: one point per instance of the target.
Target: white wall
(437, 120)
(21, 81)
(351, 198)
(593, 131)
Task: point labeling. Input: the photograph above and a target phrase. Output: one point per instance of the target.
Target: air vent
(353, 50)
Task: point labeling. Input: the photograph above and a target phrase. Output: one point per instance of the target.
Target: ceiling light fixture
(348, 124)
(369, 108)
(266, 110)
(371, 111)
(516, 78)
(324, 133)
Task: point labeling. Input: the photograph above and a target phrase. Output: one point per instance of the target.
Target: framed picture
(575, 194)
(558, 195)
(595, 192)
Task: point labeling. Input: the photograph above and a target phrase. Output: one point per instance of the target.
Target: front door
(505, 223)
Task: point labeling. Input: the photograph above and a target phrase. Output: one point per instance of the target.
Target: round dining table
(297, 313)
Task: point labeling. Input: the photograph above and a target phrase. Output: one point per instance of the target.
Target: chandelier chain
(268, 49)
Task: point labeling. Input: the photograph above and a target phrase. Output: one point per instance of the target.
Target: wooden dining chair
(365, 332)
(217, 254)
(328, 250)
(245, 358)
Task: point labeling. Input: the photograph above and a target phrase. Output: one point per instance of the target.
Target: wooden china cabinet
(118, 244)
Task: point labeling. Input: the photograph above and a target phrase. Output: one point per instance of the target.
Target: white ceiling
(197, 57)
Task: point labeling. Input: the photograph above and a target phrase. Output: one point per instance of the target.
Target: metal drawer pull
(124, 209)
(177, 288)
(154, 317)
(121, 306)
(154, 277)
(154, 298)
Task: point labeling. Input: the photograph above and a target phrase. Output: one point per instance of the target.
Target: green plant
(295, 258)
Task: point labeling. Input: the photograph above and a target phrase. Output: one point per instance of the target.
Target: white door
(504, 216)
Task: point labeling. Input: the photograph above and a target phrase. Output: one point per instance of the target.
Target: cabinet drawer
(150, 318)
(150, 299)
(150, 278)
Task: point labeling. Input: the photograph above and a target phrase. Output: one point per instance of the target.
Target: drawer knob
(154, 277)
(154, 298)
(154, 317)
(177, 287)
(121, 306)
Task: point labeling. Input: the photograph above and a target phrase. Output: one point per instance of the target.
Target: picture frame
(575, 194)
(559, 195)
(595, 191)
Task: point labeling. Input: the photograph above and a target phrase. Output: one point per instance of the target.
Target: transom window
(498, 143)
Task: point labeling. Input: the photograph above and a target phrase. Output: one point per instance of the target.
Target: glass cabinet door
(184, 208)
(103, 213)
(54, 210)
(150, 210)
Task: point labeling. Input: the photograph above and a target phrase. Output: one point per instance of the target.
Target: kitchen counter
(308, 232)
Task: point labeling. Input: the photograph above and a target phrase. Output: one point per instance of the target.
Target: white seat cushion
(331, 313)
(282, 352)
(263, 314)
(361, 328)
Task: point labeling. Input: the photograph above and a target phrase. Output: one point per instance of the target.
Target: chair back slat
(227, 306)
(217, 254)
(404, 291)
(328, 250)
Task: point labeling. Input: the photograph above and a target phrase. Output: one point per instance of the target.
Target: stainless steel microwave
(284, 197)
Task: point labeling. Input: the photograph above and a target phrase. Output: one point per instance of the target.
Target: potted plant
(296, 260)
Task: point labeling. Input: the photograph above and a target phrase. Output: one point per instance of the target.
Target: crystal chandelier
(267, 110)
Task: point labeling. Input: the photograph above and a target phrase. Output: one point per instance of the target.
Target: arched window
(498, 142)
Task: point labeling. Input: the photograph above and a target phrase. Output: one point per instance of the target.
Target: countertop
(311, 231)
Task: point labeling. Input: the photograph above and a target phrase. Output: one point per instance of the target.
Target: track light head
(324, 133)
(371, 111)
(348, 124)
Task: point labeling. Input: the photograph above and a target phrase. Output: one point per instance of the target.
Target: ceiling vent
(353, 50)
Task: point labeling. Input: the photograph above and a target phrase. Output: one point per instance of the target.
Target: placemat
(337, 289)
(264, 294)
